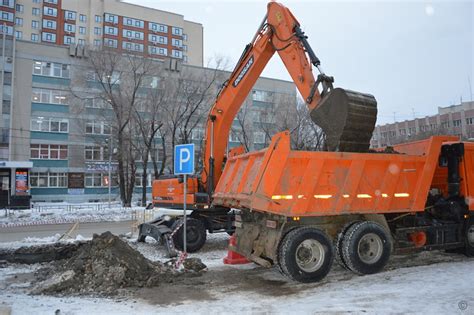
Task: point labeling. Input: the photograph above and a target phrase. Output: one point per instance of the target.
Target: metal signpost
(184, 165)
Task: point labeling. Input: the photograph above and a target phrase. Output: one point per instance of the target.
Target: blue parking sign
(184, 159)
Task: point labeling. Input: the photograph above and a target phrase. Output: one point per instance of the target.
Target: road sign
(184, 159)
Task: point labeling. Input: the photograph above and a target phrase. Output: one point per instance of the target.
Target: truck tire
(469, 247)
(195, 234)
(366, 247)
(305, 255)
(338, 245)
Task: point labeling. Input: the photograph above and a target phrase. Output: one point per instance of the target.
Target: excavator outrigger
(347, 119)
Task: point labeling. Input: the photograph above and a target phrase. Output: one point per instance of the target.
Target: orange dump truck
(301, 209)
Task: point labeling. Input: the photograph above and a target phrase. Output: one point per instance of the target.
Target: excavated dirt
(103, 266)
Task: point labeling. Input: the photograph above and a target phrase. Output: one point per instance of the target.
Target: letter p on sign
(184, 159)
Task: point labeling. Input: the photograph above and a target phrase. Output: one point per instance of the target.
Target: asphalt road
(12, 234)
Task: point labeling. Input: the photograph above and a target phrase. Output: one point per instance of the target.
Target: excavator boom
(347, 118)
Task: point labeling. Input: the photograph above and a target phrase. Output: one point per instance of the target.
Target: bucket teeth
(348, 120)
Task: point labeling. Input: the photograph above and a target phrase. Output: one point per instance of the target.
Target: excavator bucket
(347, 118)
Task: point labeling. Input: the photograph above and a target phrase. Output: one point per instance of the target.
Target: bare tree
(119, 78)
(190, 95)
(245, 124)
(292, 114)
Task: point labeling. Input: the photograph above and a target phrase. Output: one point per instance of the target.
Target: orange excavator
(347, 119)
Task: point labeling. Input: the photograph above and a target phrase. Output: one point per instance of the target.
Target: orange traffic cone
(234, 258)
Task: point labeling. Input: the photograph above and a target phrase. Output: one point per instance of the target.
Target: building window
(97, 128)
(110, 42)
(97, 31)
(69, 28)
(18, 34)
(18, 21)
(157, 51)
(46, 96)
(177, 53)
(177, 31)
(36, 1)
(51, 180)
(48, 37)
(177, 42)
(110, 18)
(51, 1)
(82, 30)
(111, 30)
(35, 24)
(7, 3)
(457, 123)
(50, 11)
(48, 151)
(133, 34)
(19, 8)
(69, 40)
(49, 24)
(6, 16)
(98, 180)
(98, 19)
(50, 125)
(34, 37)
(262, 96)
(70, 15)
(51, 69)
(97, 42)
(96, 153)
(36, 11)
(138, 180)
(470, 121)
(82, 18)
(132, 46)
(158, 27)
(81, 42)
(133, 22)
(185, 59)
(259, 137)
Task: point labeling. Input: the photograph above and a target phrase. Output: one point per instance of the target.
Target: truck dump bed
(300, 183)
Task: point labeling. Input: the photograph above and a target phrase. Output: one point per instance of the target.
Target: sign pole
(184, 211)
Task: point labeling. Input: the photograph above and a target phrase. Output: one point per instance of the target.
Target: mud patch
(40, 253)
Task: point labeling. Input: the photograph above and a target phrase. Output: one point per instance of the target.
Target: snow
(437, 289)
(32, 241)
(86, 212)
(429, 282)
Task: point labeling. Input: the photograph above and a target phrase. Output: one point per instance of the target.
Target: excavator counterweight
(347, 118)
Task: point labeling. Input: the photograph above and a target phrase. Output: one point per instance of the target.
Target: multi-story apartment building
(49, 145)
(452, 120)
(112, 23)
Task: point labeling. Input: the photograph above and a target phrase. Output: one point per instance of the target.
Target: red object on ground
(234, 258)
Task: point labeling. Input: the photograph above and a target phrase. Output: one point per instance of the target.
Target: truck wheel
(366, 247)
(469, 247)
(305, 255)
(338, 245)
(195, 235)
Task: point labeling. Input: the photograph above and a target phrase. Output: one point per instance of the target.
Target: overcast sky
(413, 56)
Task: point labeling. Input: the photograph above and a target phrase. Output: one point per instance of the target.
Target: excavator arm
(347, 118)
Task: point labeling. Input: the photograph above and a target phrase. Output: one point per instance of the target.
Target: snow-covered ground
(69, 213)
(432, 282)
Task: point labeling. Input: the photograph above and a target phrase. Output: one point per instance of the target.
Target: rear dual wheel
(365, 247)
(305, 254)
(469, 246)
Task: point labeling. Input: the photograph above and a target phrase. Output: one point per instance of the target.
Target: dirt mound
(102, 266)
